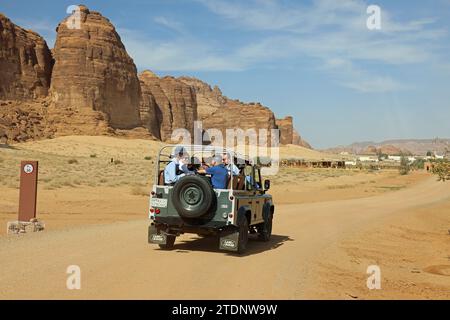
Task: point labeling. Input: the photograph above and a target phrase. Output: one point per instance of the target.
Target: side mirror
(266, 184)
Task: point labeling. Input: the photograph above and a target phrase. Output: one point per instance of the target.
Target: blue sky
(315, 60)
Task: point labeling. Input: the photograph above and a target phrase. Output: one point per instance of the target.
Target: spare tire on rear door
(193, 197)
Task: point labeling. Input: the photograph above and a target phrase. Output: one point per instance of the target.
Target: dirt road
(116, 261)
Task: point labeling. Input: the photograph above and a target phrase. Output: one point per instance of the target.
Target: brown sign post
(28, 190)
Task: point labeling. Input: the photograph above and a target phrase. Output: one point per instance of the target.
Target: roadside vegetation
(442, 170)
(58, 171)
(404, 166)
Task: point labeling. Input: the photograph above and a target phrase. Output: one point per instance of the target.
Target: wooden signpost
(28, 190)
(27, 200)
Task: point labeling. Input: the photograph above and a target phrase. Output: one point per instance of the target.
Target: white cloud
(374, 84)
(353, 77)
(180, 54)
(329, 31)
(334, 33)
(169, 24)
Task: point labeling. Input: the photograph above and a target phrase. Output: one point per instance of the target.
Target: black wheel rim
(192, 196)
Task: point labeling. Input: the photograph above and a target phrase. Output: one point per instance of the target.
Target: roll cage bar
(197, 152)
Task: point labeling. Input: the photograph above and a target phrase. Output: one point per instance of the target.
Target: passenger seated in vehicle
(218, 172)
(250, 183)
(185, 165)
(176, 169)
(194, 164)
(231, 167)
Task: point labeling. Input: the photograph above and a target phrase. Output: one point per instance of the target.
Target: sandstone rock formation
(298, 140)
(167, 104)
(286, 128)
(387, 149)
(150, 111)
(25, 63)
(370, 150)
(237, 115)
(88, 84)
(288, 135)
(218, 111)
(93, 71)
(391, 150)
(23, 121)
(208, 99)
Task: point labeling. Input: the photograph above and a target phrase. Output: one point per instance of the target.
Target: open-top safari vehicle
(191, 205)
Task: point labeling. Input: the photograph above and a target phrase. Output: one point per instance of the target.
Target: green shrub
(404, 166)
(418, 164)
(442, 170)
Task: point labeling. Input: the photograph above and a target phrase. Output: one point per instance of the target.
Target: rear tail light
(153, 193)
(152, 210)
(230, 215)
(157, 211)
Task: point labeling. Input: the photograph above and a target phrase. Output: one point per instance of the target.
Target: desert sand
(329, 226)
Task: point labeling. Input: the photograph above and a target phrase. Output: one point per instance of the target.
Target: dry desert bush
(57, 170)
(442, 170)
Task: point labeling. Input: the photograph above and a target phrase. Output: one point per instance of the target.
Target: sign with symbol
(28, 190)
(28, 168)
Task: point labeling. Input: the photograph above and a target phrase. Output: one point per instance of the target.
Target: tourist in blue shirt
(218, 172)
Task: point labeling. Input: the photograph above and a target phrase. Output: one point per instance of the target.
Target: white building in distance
(368, 159)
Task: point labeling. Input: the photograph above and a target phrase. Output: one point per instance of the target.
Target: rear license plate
(158, 203)
(158, 238)
(227, 243)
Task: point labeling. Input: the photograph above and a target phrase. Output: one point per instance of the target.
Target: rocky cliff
(387, 149)
(392, 147)
(218, 111)
(88, 84)
(93, 70)
(25, 63)
(286, 128)
(299, 141)
(167, 104)
(208, 99)
(238, 115)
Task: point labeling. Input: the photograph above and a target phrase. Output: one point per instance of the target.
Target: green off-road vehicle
(191, 205)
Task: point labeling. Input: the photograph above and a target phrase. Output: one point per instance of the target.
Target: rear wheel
(243, 234)
(170, 241)
(265, 228)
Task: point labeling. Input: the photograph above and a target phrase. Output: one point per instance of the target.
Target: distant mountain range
(394, 147)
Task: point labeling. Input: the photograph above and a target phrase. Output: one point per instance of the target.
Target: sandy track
(116, 261)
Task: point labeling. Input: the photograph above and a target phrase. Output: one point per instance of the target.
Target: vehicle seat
(241, 183)
(161, 178)
(229, 183)
(235, 182)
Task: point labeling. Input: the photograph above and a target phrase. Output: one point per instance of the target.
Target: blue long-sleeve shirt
(219, 176)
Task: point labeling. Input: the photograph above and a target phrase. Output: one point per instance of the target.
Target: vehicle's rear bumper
(186, 224)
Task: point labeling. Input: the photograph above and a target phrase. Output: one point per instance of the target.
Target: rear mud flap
(229, 240)
(155, 236)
